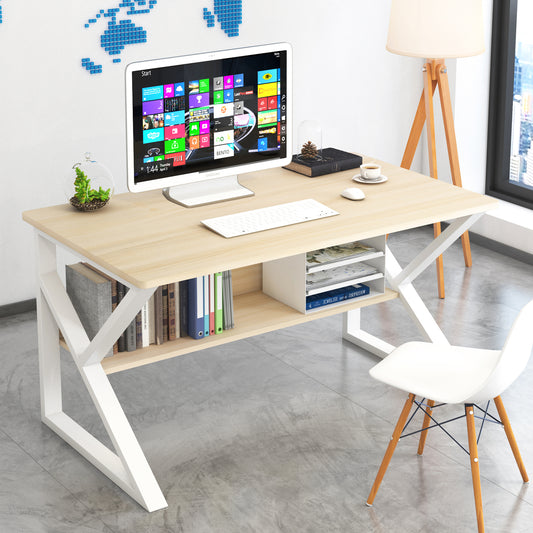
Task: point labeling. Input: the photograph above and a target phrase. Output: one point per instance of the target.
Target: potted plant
(85, 198)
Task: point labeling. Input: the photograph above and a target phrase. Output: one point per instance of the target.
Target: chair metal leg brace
(128, 467)
(401, 280)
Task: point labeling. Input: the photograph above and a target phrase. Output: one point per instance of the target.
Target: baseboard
(17, 308)
(503, 249)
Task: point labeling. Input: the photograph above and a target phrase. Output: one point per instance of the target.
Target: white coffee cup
(370, 171)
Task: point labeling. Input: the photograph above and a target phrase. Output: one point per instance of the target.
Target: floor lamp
(436, 30)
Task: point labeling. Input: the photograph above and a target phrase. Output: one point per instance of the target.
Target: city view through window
(521, 163)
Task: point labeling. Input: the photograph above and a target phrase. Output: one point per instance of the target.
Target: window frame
(504, 18)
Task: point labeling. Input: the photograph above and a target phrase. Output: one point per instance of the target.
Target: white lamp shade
(436, 29)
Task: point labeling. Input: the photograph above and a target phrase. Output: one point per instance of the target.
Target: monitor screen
(193, 118)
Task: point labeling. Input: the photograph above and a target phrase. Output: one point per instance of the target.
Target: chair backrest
(514, 356)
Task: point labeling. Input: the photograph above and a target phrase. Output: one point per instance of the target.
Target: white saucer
(359, 179)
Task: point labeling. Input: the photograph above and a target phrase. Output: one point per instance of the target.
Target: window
(510, 135)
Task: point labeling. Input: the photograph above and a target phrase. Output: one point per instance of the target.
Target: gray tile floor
(282, 432)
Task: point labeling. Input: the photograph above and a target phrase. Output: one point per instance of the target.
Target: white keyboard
(265, 218)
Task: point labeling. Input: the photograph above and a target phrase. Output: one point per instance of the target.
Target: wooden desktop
(144, 241)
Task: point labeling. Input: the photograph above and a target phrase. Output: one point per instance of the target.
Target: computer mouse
(353, 193)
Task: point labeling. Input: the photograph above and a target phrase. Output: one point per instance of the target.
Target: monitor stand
(207, 191)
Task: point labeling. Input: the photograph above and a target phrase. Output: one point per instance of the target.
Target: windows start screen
(203, 120)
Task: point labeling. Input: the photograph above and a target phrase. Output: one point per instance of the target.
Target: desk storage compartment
(292, 280)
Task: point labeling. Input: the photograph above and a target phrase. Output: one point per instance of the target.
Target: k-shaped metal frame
(126, 465)
(401, 281)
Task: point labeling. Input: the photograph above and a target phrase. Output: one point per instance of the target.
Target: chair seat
(445, 374)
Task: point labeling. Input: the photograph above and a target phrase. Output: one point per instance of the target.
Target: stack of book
(332, 273)
(173, 311)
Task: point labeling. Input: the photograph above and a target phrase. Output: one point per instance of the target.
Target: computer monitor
(194, 122)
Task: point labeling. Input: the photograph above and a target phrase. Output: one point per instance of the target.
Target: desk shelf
(255, 313)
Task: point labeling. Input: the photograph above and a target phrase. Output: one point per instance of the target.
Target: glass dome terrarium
(310, 141)
(90, 185)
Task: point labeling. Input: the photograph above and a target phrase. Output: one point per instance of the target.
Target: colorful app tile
(218, 97)
(152, 136)
(178, 159)
(159, 158)
(174, 104)
(228, 96)
(168, 91)
(199, 100)
(224, 150)
(262, 104)
(175, 145)
(204, 85)
(154, 150)
(148, 160)
(205, 141)
(194, 128)
(152, 107)
(238, 80)
(223, 137)
(194, 87)
(267, 76)
(272, 102)
(267, 89)
(222, 110)
(204, 126)
(198, 114)
(223, 123)
(175, 117)
(228, 82)
(238, 107)
(152, 93)
(173, 132)
(218, 83)
(262, 144)
(265, 118)
(152, 121)
(241, 121)
(179, 89)
(194, 142)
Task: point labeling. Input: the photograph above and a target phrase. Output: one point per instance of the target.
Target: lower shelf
(255, 313)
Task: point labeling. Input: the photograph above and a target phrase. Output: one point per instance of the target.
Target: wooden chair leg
(390, 448)
(510, 437)
(425, 425)
(474, 465)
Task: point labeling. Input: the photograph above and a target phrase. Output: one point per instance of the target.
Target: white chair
(456, 375)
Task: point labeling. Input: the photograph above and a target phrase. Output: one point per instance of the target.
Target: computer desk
(144, 241)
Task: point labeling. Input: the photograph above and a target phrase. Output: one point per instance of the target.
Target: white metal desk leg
(351, 331)
(128, 467)
(48, 337)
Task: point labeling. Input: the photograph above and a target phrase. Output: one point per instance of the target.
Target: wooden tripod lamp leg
(474, 465)
(390, 448)
(432, 153)
(453, 154)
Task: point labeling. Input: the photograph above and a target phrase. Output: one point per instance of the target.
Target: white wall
(53, 110)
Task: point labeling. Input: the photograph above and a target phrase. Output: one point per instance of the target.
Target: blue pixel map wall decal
(0, 13)
(229, 16)
(120, 30)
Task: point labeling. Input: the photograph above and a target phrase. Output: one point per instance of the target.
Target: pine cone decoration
(309, 150)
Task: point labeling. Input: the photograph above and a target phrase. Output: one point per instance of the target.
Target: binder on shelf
(206, 305)
(196, 323)
(184, 307)
(219, 318)
(211, 304)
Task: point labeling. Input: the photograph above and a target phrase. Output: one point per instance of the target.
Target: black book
(332, 160)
